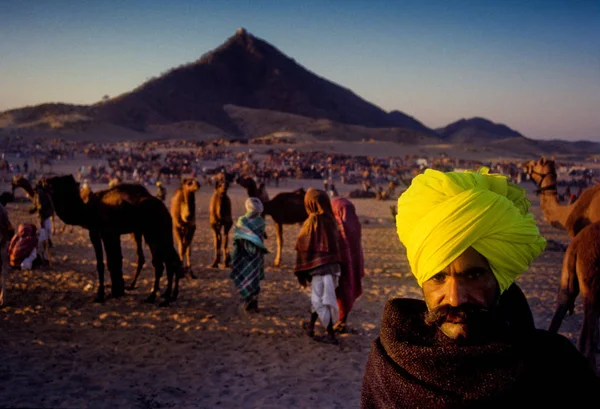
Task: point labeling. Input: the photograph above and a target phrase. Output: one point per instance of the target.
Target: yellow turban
(442, 214)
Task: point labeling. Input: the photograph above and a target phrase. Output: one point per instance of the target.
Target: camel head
(249, 184)
(19, 181)
(190, 185)
(542, 173)
(221, 187)
(59, 186)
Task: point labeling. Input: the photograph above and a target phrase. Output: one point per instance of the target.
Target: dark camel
(221, 222)
(183, 213)
(284, 208)
(123, 209)
(572, 218)
(581, 274)
(85, 194)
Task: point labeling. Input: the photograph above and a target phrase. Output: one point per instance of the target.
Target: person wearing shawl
(472, 342)
(22, 249)
(352, 261)
(318, 261)
(248, 253)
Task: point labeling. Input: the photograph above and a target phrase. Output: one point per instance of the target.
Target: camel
(581, 274)
(284, 208)
(6, 233)
(183, 213)
(125, 208)
(85, 192)
(572, 217)
(221, 222)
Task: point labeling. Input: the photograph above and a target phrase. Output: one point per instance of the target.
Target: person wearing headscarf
(352, 261)
(318, 261)
(471, 342)
(22, 249)
(248, 267)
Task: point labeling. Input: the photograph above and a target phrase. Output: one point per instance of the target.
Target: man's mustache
(466, 312)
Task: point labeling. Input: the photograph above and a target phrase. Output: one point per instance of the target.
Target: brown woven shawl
(317, 243)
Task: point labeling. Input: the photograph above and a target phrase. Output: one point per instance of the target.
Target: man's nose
(457, 292)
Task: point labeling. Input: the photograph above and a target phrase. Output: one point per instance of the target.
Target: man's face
(459, 296)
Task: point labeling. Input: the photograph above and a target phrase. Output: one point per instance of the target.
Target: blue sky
(532, 65)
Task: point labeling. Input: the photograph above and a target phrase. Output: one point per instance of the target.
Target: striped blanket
(248, 256)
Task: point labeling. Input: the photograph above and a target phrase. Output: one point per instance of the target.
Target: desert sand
(61, 350)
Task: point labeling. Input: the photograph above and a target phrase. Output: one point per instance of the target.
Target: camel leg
(279, 234)
(178, 236)
(97, 243)
(588, 337)
(158, 265)
(114, 261)
(174, 267)
(188, 249)
(217, 242)
(226, 229)
(141, 260)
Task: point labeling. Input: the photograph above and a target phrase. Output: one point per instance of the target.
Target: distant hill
(475, 130)
(245, 71)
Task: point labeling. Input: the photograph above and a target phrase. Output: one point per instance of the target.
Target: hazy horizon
(531, 65)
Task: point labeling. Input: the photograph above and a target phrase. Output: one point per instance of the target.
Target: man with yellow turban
(471, 342)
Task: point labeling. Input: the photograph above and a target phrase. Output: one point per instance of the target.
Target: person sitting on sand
(471, 343)
(318, 261)
(22, 249)
(351, 255)
(248, 267)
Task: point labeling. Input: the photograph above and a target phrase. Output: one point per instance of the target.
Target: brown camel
(183, 213)
(123, 209)
(221, 222)
(6, 233)
(284, 208)
(581, 274)
(573, 217)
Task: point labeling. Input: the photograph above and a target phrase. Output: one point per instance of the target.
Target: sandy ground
(61, 350)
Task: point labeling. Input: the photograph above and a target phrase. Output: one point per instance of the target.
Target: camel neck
(554, 213)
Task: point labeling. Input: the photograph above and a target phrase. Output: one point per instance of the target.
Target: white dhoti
(323, 299)
(47, 224)
(27, 263)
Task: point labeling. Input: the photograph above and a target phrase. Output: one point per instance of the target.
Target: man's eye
(438, 278)
(473, 275)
